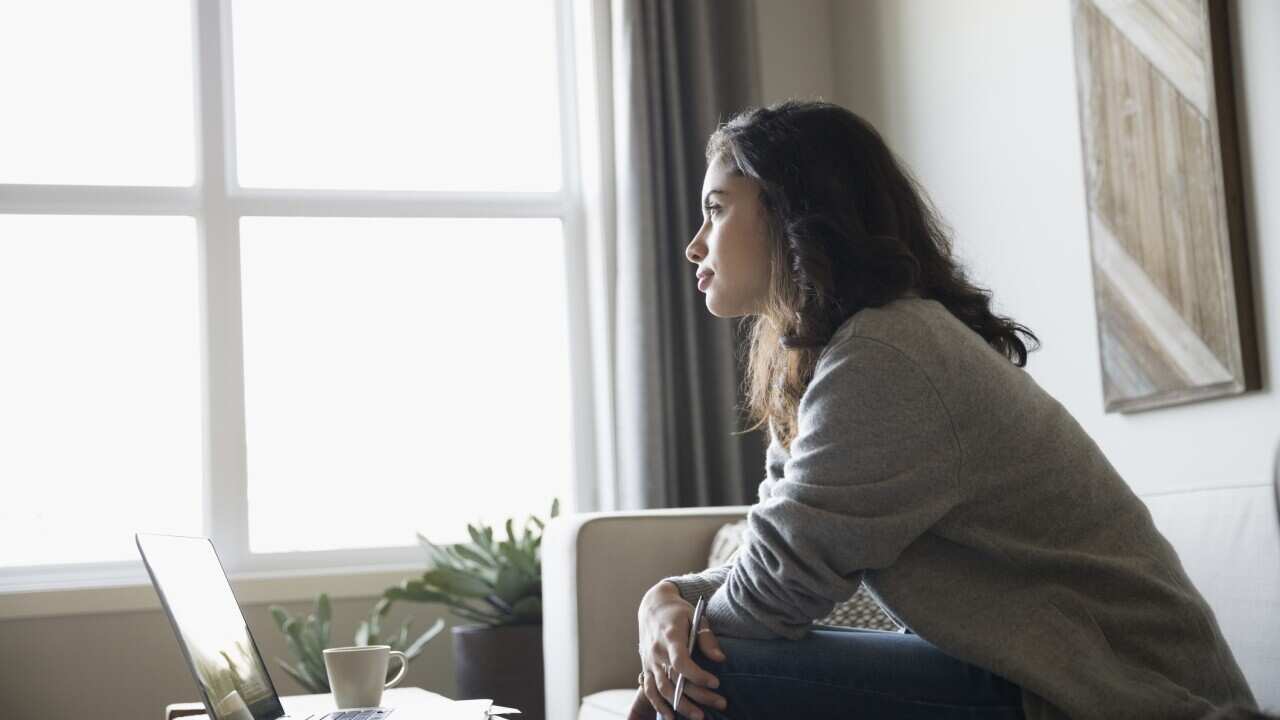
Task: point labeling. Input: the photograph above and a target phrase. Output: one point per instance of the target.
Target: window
(101, 384)
(373, 364)
(290, 274)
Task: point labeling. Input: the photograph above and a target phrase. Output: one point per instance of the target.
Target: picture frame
(1172, 289)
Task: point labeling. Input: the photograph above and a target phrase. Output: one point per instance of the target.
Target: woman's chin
(718, 307)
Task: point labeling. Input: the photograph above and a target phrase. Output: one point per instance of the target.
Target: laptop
(214, 637)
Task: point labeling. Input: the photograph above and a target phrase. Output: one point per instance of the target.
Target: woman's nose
(691, 252)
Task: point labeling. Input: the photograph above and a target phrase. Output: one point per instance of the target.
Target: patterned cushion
(860, 611)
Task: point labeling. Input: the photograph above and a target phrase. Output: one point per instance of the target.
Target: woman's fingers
(666, 687)
(708, 644)
(682, 663)
(665, 652)
(703, 696)
(656, 699)
(641, 709)
(694, 688)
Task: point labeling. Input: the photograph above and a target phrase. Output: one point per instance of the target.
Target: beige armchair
(597, 566)
(595, 569)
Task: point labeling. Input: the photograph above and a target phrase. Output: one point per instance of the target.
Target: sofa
(596, 567)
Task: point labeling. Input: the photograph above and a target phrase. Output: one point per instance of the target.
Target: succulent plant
(307, 639)
(488, 580)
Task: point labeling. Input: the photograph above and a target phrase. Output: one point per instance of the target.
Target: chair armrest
(595, 569)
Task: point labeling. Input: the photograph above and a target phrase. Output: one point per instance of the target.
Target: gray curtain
(668, 383)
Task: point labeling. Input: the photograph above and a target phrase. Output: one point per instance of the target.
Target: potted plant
(497, 584)
(307, 638)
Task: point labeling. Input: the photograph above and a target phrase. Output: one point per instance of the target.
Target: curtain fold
(656, 77)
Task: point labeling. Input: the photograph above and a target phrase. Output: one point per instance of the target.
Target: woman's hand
(664, 619)
(640, 707)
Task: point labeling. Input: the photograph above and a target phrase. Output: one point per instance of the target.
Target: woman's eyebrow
(714, 191)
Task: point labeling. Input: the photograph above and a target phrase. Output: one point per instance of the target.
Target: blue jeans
(839, 672)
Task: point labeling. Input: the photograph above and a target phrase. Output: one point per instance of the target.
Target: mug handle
(404, 666)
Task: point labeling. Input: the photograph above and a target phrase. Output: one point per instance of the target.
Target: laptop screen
(210, 627)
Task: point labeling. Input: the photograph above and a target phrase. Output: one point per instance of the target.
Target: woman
(909, 451)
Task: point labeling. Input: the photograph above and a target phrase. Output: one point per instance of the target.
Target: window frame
(217, 202)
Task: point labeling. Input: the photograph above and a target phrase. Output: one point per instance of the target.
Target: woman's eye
(711, 209)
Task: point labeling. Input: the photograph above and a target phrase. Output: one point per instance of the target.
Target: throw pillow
(860, 611)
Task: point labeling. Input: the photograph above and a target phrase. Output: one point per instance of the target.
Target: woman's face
(733, 243)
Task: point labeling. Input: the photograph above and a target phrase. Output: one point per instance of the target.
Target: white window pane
(408, 95)
(99, 385)
(402, 374)
(97, 93)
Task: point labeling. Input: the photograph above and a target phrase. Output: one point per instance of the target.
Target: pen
(693, 635)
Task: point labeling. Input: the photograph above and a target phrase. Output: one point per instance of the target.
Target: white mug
(356, 674)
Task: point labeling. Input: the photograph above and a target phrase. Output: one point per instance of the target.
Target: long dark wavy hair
(850, 228)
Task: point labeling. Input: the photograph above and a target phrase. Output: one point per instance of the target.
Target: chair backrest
(1228, 539)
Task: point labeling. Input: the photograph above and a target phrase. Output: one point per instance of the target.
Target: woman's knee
(743, 659)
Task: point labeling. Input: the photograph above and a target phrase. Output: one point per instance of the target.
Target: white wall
(795, 40)
(979, 98)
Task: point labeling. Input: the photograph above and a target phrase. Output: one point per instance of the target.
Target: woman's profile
(910, 452)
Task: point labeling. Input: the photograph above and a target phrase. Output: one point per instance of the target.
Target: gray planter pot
(503, 663)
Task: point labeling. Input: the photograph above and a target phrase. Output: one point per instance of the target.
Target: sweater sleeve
(704, 583)
(875, 463)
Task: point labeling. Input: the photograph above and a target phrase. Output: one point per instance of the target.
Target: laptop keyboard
(374, 714)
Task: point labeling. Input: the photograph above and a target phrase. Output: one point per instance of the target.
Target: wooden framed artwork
(1166, 218)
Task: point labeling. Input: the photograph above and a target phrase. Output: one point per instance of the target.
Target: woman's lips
(704, 282)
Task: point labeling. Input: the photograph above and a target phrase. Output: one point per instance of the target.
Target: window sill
(249, 588)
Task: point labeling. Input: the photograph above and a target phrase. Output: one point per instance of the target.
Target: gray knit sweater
(981, 516)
